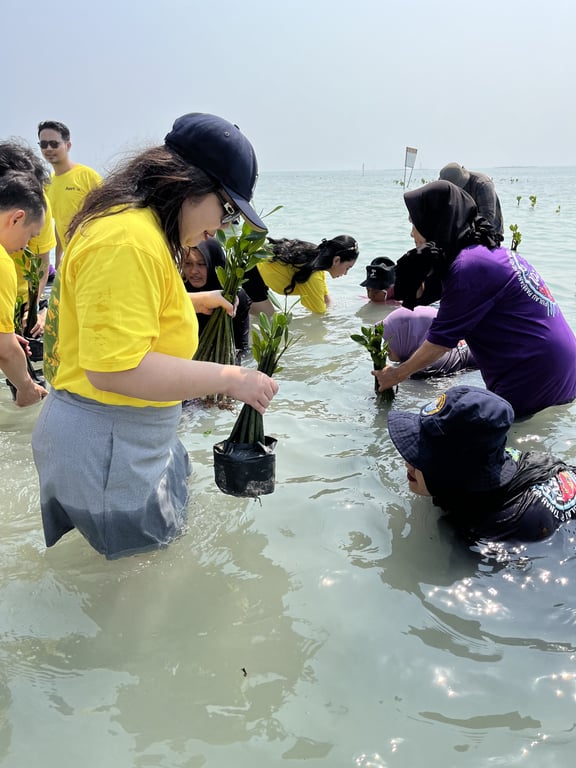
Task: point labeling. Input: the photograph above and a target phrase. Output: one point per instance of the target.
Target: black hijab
(214, 257)
(443, 213)
(495, 514)
(447, 217)
(417, 267)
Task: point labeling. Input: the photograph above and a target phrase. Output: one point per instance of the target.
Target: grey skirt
(117, 474)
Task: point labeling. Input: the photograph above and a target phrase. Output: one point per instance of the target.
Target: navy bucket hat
(380, 274)
(458, 440)
(219, 149)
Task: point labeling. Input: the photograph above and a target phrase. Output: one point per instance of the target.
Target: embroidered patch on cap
(435, 406)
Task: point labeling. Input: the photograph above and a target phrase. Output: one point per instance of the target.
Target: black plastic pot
(247, 470)
(36, 348)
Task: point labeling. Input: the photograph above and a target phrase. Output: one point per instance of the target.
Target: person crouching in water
(406, 329)
(380, 278)
(298, 268)
(455, 451)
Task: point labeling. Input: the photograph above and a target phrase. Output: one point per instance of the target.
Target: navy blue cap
(458, 440)
(380, 274)
(219, 149)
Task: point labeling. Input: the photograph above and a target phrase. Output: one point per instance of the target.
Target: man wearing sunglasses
(70, 181)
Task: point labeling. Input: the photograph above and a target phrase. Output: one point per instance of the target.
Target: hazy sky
(314, 84)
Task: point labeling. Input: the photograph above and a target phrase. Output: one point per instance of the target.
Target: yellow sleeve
(90, 179)
(277, 276)
(46, 240)
(313, 293)
(8, 285)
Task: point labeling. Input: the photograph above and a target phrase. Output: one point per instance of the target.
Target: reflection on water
(185, 647)
(338, 621)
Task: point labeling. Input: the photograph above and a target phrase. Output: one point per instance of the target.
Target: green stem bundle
(216, 344)
(270, 339)
(32, 270)
(243, 252)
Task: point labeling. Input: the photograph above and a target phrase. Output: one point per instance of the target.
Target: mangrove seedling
(19, 310)
(244, 464)
(532, 199)
(243, 252)
(516, 237)
(518, 198)
(32, 271)
(372, 338)
(270, 340)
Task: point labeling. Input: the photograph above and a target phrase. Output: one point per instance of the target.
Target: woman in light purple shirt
(406, 329)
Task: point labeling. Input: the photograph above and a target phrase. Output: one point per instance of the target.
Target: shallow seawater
(337, 621)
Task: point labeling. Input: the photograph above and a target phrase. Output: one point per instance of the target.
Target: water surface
(337, 621)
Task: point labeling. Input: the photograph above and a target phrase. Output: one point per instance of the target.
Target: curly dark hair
(308, 258)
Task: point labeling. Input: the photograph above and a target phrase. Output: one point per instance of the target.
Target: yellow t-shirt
(66, 194)
(8, 283)
(278, 276)
(43, 243)
(117, 296)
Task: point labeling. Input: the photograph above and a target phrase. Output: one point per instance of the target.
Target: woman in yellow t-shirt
(120, 334)
(298, 268)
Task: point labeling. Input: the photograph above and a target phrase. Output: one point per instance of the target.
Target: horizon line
(400, 169)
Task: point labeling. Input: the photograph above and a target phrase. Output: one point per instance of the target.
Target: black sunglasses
(52, 144)
(231, 213)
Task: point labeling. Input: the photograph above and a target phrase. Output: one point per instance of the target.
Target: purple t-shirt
(499, 304)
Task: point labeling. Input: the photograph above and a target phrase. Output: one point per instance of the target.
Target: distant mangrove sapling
(516, 237)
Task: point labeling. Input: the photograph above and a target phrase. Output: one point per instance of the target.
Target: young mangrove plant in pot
(26, 316)
(245, 464)
(32, 271)
(243, 251)
(372, 338)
